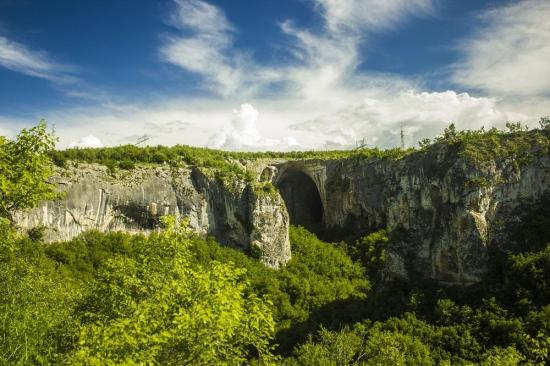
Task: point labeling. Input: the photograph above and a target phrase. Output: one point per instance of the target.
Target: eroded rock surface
(444, 211)
(134, 201)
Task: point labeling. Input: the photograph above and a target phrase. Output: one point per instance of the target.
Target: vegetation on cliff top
(204, 157)
(516, 143)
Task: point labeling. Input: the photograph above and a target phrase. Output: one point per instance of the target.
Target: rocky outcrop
(444, 211)
(134, 201)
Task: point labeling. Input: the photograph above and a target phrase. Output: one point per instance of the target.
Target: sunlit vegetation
(167, 298)
(127, 300)
(515, 145)
(24, 169)
(223, 163)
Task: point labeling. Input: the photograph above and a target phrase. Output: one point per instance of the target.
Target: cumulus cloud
(87, 141)
(243, 134)
(509, 55)
(379, 117)
(20, 58)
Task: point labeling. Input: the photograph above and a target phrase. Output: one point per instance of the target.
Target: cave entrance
(302, 200)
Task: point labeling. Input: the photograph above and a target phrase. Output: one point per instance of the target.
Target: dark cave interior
(302, 200)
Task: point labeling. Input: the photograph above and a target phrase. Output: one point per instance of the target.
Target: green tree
(371, 251)
(393, 348)
(544, 123)
(502, 356)
(331, 349)
(160, 308)
(25, 166)
(36, 303)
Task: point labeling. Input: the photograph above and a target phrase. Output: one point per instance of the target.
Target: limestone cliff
(445, 205)
(134, 200)
(444, 210)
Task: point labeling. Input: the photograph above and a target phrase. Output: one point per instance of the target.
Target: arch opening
(302, 200)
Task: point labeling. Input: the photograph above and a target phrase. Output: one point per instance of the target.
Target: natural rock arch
(302, 199)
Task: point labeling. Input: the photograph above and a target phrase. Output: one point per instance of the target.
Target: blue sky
(270, 74)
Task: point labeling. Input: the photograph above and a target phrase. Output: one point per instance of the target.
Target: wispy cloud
(205, 45)
(203, 50)
(20, 58)
(510, 54)
(371, 15)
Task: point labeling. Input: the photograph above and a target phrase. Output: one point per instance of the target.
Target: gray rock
(133, 201)
(444, 211)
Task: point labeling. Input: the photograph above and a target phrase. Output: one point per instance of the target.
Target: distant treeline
(126, 156)
(478, 145)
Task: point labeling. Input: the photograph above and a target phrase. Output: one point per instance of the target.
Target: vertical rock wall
(134, 201)
(443, 210)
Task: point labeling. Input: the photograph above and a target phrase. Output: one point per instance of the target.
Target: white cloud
(322, 65)
(325, 62)
(371, 15)
(87, 141)
(20, 58)
(338, 121)
(510, 53)
(200, 16)
(243, 134)
(167, 121)
(204, 45)
(379, 117)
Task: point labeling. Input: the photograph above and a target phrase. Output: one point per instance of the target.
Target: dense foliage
(168, 298)
(146, 301)
(516, 144)
(25, 167)
(205, 157)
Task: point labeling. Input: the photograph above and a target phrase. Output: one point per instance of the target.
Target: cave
(302, 200)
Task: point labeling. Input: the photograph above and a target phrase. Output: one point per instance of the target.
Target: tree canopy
(25, 166)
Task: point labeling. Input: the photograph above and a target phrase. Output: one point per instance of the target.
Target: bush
(127, 165)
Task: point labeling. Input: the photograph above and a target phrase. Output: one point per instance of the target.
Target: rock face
(134, 201)
(444, 211)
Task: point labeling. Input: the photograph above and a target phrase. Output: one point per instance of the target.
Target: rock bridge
(441, 224)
